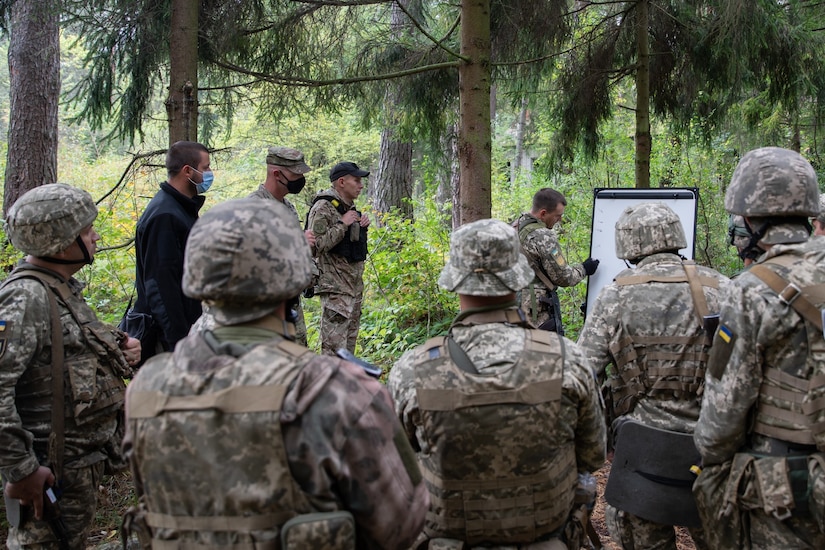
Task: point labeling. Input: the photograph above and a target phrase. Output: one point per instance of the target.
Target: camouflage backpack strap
(54, 285)
(700, 303)
(801, 299)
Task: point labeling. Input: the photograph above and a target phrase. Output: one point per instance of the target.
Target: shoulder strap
(53, 285)
(334, 201)
(790, 293)
(700, 303)
(524, 229)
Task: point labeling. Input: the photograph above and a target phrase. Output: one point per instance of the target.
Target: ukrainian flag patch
(725, 334)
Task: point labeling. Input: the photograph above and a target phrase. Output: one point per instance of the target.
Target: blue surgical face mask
(208, 178)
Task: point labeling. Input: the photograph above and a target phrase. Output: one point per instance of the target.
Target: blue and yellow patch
(4, 325)
(725, 334)
(558, 256)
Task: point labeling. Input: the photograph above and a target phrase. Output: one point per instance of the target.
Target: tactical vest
(497, 473)
(210, 448)
(353, 251)
(94, 385)
(642, 361)
(796, 400)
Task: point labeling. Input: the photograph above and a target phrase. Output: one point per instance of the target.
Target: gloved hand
(590, 266)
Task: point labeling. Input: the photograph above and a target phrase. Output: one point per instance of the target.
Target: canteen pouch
(328, 531)
(711, 496)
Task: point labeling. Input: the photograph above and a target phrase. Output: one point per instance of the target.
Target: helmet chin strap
(87, 258)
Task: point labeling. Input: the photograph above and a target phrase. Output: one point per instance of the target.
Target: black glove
(590, 266)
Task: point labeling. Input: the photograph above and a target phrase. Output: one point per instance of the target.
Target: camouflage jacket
(338, 276)
(93, 382)
(339, 435)
(758, 332)
(496, 350)
(541, 246)
(625, 322)
(263, 193)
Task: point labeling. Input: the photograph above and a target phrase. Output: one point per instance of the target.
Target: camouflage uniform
(93, 366)
(341, 282)
(541, 245)
(240, 429)
(300, 322)
(498, 451)
(646, 324)
(759, 433)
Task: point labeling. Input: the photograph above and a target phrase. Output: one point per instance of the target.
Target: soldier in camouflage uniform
(760, 431)
(819, 221)
(285, 169)
(648, 325)
(497, 410)
(739, 237)
(68, 438)
(340, 248)
(243, 438)
(541, 246)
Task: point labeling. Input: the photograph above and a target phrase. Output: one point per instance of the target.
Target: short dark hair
(183, 153)
(547, 199)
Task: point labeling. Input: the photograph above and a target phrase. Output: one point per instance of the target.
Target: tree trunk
(474, 143)
(393, 188)
(521, 123)
(182, 103)
(642, 96)
(393, 181)
(34, 93)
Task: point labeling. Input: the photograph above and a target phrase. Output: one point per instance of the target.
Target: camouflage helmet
(485, 260)
(49, 218)
(243, 257)
(821, 216)
(738, 234)
(647, 228)
(771, 181)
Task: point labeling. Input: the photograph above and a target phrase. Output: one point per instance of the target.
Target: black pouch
(143, 327)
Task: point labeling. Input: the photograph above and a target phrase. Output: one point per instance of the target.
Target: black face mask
(295, 186)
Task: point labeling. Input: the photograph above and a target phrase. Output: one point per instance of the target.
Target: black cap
(346, 169)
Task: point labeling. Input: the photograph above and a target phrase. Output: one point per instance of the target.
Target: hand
(29, 490)
(364, 221)
(349, 217)
(590, 266)
(310, 237)
(131, 350)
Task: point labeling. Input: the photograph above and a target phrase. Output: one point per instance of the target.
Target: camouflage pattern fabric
(92, 358)
(629, 531)
(48, 218)
(289, 158)
(485, 260)
(495, 349)
(341, 283)
(78, 504)
(757, 331)
(359, 461)
(771, 181)
(232, 263)
(263, 193)
(647, 228)
(542, 246)
(821, 215)
(649, 310)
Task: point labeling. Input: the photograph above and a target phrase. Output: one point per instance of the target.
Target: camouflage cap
(291, 159)
(243, 257)
(48, 218)
(647, 228)
(771, 181)
(485, 260)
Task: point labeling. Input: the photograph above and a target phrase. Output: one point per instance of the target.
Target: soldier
(760, 429)
(541, 246)
(49, 337)
(739, 237)
(497, 410)
(819, 221)
(243, 438)
(648, 324)
(341, 248)
(285, 169)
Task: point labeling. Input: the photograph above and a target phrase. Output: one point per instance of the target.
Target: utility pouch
(327, 531)
(712, 501)
(816, 482)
